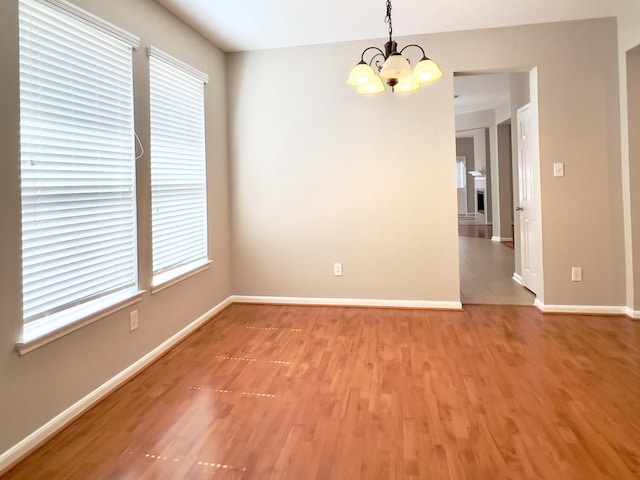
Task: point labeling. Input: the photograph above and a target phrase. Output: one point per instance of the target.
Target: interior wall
(475, 125)
(43, 383)
(356, 181)
(633, 106)
(503, 110)
(323, 175)
(491, 200)
(505, 181)
(590, 186)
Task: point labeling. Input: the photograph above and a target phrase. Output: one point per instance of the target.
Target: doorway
(489, 243)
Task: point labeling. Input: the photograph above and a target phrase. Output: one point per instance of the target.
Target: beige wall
(36, 387)
(590, 188)
(321, 174)
(633, 108)
(505, 180)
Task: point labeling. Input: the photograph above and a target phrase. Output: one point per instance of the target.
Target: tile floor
(486, 271)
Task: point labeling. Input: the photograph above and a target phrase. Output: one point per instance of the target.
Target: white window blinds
(79, 250)
(178, 167)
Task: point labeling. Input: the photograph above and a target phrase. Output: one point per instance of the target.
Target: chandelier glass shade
(392, 68)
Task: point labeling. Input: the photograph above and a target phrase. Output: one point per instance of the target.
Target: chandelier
(395, 69)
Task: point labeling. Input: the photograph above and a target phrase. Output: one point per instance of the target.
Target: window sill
(191, 270)
(41, 339)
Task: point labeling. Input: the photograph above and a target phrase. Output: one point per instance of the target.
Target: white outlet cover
(133, 320)
(576, 274)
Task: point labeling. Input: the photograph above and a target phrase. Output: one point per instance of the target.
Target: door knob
(519, 209)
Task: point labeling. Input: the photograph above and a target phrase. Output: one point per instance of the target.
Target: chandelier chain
(387, 19)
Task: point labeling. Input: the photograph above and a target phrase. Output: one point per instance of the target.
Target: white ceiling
(475, 93)
(241, 25)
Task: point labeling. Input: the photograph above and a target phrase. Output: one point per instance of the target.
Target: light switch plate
(558, 169)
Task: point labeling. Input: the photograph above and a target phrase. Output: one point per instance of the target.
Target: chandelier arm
(378, 64)
(380, 52)
(424, 55)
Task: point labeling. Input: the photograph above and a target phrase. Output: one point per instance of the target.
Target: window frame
(461, 172)
(64, 318)
(163, 275)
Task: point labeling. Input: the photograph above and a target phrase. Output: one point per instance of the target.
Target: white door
(528, 166)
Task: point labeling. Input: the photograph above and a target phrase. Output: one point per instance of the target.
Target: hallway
(486, 271)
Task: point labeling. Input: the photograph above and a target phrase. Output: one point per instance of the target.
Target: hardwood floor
(283, 392)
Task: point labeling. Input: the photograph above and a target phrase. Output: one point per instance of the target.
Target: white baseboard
(501, 239)
(28, 444)
(630, 312)
(517, 278)
(348, 302)
(587, 309)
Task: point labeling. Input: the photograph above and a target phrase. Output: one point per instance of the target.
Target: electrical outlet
(576, 274)
(337, 269)
(133, 320)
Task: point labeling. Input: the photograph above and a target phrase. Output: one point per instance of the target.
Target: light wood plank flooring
(486, 273)
(283, 392)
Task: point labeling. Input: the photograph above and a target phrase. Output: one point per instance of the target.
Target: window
(178, 168)
(79, 248)
(461, 169)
